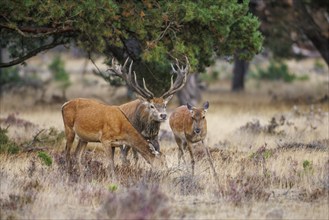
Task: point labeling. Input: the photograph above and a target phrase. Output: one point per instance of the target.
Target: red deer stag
(189, 126)
(93, 121)
(147, 112)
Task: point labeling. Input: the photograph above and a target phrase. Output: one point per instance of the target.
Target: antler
(121, 71)
(180, 81)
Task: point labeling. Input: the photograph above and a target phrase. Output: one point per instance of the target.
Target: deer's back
(91, 119)
(178, 120)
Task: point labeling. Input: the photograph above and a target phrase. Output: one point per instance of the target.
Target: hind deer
(148, 112)
(189, 126)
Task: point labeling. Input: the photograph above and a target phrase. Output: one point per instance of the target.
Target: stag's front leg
(124, 153)
(110, 149)
(135, 155)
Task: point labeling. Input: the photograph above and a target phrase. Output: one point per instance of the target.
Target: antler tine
(124, 65)
(143, 92)
(180, 81)
(120, 71)
(146, 89)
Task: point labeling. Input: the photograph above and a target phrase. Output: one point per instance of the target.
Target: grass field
(269, 146)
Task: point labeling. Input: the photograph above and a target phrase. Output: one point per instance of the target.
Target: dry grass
(267, 169)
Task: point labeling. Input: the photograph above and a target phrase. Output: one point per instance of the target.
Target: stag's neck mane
(138, 115)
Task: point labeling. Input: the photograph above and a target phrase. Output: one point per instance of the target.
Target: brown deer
(189, 126)
(148, 112)
(93, 121)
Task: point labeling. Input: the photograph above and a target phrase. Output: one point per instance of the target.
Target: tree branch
(37, 31)
(31, 54)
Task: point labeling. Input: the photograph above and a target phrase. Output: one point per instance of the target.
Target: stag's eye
(203, 117)
(152, 106)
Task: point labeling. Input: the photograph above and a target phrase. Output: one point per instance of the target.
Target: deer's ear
(189, 106)
(206, 106)
(166, 100)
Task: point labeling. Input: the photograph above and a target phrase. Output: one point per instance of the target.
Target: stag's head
(198, 116)
(154, 106)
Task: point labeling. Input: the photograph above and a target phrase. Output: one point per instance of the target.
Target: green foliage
(57, 67)
(9, 75)
(3, 136)
(12, 148)
(45, 158)
(211, 77)
(165, 30)
(7, 146)
(60, 74)
(307, 166)
(113, 187)
(277, 71)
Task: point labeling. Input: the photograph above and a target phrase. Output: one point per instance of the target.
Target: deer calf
(189, 126)
(93, 121)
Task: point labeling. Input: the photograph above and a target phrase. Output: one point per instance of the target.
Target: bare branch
(31, 54)
(37, 32)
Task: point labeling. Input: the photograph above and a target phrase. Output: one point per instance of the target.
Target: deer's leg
(189, 147)
(123, 154)
(180, 149)
(110, 149)
(79, 151)
(135, 153)
(155, 144)
(70, 134)
(210, 160)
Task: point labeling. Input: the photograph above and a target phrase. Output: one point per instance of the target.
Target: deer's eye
(203, 117)
(152, 106)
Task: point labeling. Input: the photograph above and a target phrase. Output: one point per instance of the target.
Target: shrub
(3, 136)
(45, 158)
(9, 75)
(277, 70)
(112, 187)
(60, 74)
(307, 165)
(7, 146)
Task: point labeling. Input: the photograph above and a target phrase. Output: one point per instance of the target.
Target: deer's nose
(163, 116)
(197, 130)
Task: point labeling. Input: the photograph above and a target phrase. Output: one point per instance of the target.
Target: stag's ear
(166, 100)
(189, 106)
(205, 106)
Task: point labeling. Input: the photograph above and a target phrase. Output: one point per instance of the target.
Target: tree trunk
(191, 92)
(239, 71)
(313, 32)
